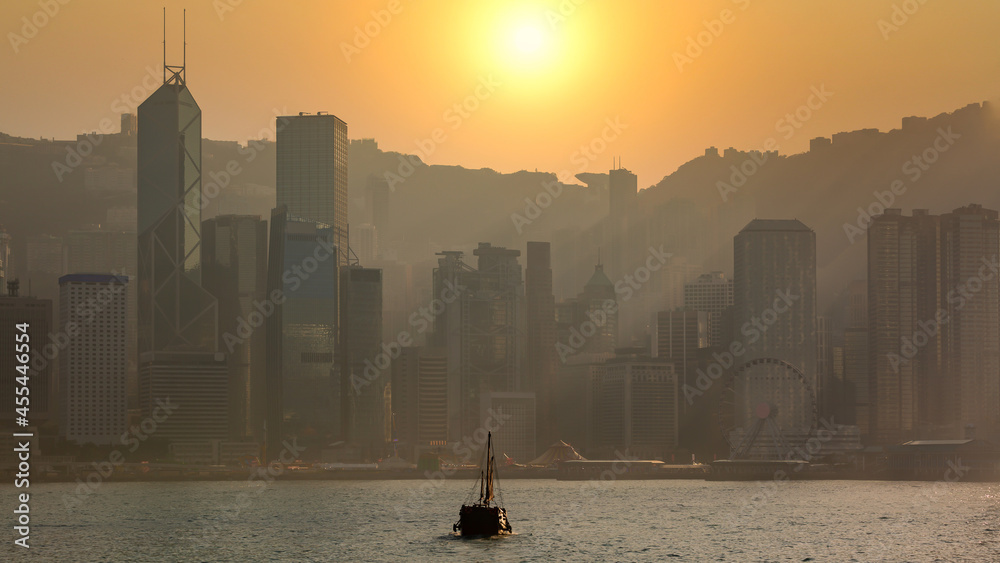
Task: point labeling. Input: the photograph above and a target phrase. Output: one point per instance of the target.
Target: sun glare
(527, 44)
(529, 39)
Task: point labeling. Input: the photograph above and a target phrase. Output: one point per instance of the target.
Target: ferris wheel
(767, 408)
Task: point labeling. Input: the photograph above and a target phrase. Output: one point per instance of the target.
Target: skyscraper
(175, 312)
(44, 255)
(775, 312)
(678, 336)
(712, 293)
(92, 366)
(856, 397)
(365, 243)
(111, 251)
(588, 323)
(903, 288)
(312, 172)
(234, 262)
(303, 384)
(543, 359)
(361, 339)
(483, 330)
(623, 187)
(377, 202)
(420, 399)
(101, 251)
(177, 335)
(970, 248)
(635, 407)
(933, 292)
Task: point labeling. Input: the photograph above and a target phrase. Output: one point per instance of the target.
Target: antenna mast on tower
(178, 74)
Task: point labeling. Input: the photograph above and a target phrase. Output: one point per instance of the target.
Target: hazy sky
(557, 71)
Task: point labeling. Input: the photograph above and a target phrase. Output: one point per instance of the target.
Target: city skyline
(321, 268)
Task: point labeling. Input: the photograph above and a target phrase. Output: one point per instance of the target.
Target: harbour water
(685, 520)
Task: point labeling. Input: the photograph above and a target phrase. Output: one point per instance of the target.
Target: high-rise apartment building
(934, 362)
(111, 251)
(900, 250)
(92, 366)
(970, 249)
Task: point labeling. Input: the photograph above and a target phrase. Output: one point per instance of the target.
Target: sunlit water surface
(552, 520)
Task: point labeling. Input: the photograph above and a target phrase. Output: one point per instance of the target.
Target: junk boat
(485, 517)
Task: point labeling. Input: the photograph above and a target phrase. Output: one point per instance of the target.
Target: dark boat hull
(482, 521)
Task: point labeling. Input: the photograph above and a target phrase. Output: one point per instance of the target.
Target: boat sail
(487, 516)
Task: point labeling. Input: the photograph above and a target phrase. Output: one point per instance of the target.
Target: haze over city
(583, 62)
(301, 281)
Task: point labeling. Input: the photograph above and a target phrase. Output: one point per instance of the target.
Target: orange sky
(563, 67)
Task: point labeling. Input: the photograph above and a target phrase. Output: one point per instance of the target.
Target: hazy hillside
(449, 207)
(825, 187)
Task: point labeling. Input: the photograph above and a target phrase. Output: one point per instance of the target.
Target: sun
(528, 44)
(528, 39)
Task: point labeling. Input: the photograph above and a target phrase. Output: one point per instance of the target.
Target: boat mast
(489, 467)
